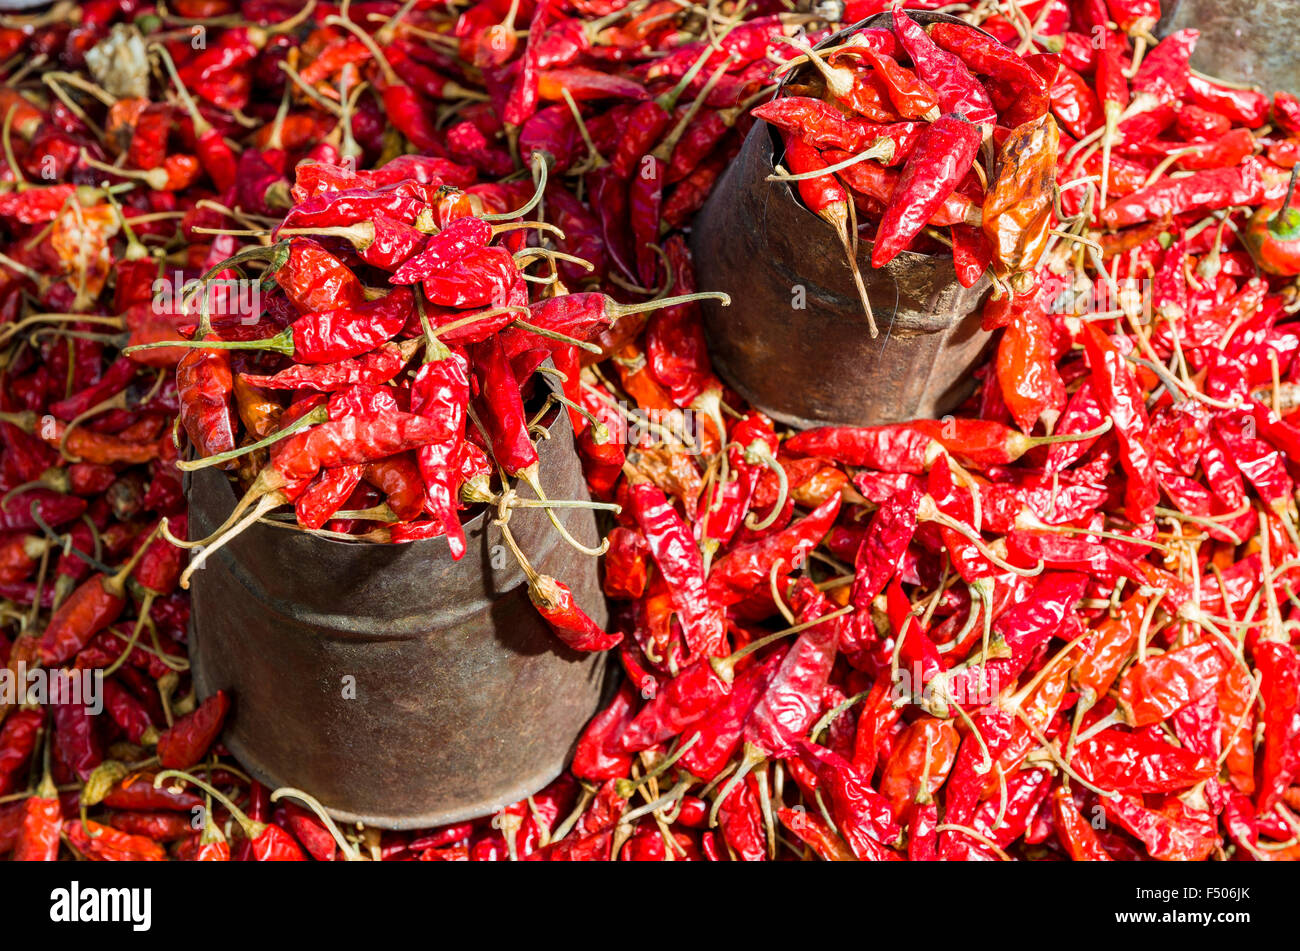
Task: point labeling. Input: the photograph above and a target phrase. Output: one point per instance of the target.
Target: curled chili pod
(205, 386)
(554, 601)
(1018, 213)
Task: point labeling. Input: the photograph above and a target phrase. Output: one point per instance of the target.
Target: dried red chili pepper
(188, 739)
(1076, 833)
(862, 815)
(679, 561)
(941, 158)
(269, 843)
(1120, 396)
(89, 609)
(38, 839)
(959, 92)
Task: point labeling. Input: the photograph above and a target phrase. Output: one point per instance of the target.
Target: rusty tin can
(400, 687)
(795, 342)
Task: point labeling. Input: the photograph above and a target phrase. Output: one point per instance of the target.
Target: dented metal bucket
(794, 342)
(401, 688)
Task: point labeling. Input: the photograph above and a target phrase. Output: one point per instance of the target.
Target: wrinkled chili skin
(940, 159)
(1018, 214)
(678, 559)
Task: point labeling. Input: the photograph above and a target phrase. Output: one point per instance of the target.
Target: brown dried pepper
(1017, 213)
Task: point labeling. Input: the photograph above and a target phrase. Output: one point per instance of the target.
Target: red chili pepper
(721, 730)
(1247, 106)
(204, 384)
(678, 559)
(919, 764)
(862, 814)
(101, 843)
(554, 601)
(1173, 831)
(1076, 833)
(315, 279)
(597, 755)
(813, 831)
(792, 699)
(38, 839)
(188, 739)
(740, 818)
(678, 705)
(958, 91)
(502, 410)
(89, 609)
(742, 570)
(1138, 762)
(1279, 689)
(1273, 234)
(1157, 687)
(129, 714)
(1203, 191)
(268, 842)
(941, 158)
(1018, 91)
(18, 739)
(1120, 396)
(378, 366)
(822, 125)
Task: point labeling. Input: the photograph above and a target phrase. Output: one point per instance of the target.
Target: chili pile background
(1057, 624)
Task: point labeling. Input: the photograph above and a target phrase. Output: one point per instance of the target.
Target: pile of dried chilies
(1055, 625)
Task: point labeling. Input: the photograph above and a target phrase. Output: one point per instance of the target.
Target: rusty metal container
(401, 688)
(1250, 42)
(795, 342)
